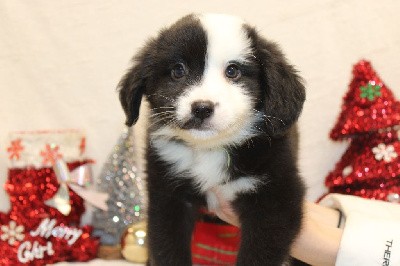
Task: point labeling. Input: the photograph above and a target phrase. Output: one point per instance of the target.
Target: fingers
(223, 209)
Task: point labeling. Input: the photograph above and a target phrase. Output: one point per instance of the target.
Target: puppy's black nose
(202, 109)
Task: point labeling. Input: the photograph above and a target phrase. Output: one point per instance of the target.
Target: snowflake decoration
(50, 154)
(15, 149)
(12, 232)
(370, 91)
(383, 152)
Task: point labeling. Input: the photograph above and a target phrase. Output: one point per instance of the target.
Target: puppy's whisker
(164, 119)
(160, 118)
(267, 119)
(162, 113)
(162, 107)
(173, 122)
(280, 120)
(270, 122)
(160, 121)
(269, 116)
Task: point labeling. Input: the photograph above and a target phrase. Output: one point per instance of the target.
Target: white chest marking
(207, 167)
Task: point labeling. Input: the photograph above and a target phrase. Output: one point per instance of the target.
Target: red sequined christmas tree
(36, 231)
(368, 106)
(370, 119)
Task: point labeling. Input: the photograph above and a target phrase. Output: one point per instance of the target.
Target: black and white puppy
(223, 106)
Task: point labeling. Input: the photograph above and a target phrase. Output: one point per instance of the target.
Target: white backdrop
(60, 62)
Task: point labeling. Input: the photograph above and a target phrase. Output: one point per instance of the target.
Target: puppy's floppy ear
(133, 85)
(131, 89)
(284, 91)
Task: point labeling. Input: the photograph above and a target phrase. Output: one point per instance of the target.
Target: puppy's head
(211, 80)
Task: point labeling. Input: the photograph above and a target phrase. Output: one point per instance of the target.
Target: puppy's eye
(178, 71)
(233, 72)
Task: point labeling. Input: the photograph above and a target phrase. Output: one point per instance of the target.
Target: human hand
(223, 208)
(319, 239)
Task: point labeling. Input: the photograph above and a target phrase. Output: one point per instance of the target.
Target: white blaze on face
(227, 43)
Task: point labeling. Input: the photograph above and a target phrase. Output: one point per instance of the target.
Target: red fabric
(215, 244)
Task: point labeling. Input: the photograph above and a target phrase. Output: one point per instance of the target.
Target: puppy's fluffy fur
(224, 102)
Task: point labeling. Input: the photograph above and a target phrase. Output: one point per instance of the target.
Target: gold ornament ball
(134, 243)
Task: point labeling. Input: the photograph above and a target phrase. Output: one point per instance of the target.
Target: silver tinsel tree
(120, 178)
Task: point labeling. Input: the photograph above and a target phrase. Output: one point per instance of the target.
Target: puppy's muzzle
(200, 112)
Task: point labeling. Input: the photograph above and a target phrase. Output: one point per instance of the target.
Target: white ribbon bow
(80, 181)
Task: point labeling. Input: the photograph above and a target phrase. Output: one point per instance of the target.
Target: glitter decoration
(45, 243)
(33, 233)
(368, 106)
(30, 188)
(370, 122)
(120, 178)
(370, 177)
(363, 160)
(375, 173)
